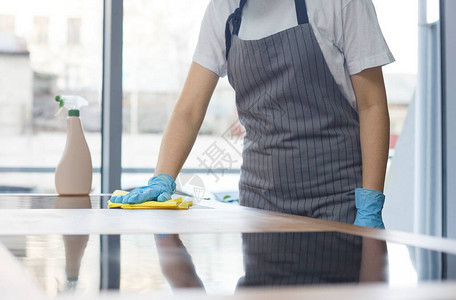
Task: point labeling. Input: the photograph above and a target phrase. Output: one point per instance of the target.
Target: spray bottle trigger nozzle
(61, 104)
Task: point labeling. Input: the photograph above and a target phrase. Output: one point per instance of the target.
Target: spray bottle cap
(72, 103)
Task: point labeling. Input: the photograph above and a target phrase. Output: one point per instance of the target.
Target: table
(89, 251)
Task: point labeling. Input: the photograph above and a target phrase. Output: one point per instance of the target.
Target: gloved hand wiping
(159, 188)
(369, 205)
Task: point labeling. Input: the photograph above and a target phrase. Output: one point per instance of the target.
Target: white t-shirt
(346, 30)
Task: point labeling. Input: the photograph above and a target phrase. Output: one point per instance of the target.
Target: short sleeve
(210, 49)
(363, 43)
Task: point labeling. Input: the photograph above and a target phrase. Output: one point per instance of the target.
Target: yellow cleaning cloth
(177, 203)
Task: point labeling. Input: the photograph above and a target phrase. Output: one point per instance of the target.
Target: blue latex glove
(369, 205)
(159, 188)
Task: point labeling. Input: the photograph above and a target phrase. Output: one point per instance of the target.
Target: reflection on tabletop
(74, 244)
(32, 201)
(280, 259)
(216, 264)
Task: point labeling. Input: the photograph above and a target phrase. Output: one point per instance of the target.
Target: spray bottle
(73, 175)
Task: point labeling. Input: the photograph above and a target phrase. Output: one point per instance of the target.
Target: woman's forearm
(186, 119)
(374, 121)
(177, 142)
(374, 131)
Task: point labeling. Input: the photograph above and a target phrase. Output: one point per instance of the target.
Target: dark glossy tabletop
(219, 263)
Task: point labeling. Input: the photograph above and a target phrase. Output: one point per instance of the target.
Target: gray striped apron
(295, 258)
(301, 152)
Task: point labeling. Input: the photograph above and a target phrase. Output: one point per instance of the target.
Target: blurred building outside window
(41, 27)
(74, 31)
(7, 23)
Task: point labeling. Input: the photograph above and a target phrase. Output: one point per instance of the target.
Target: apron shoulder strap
(301, 11)
(236, 17)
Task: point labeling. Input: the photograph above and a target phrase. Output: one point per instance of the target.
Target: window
(400, 31)
(159, 38)
(37, 65)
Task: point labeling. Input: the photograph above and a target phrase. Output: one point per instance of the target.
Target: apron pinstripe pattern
(302, 152)
(274, 259)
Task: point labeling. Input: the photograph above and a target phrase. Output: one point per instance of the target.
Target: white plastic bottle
(73, 175)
